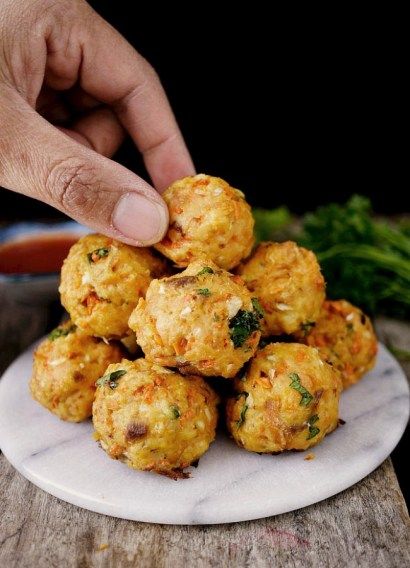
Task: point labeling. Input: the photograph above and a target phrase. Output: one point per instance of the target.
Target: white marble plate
(229, 484)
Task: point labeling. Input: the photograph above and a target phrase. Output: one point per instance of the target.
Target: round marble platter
(229, 484)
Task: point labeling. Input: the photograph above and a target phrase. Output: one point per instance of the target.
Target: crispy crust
(188, 326)
(345, 338)
(288, 282)
(208, 218)
(100, 292)
(268, 415)
(172, 418)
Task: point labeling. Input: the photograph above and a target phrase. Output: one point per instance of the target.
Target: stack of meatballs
(153, 332)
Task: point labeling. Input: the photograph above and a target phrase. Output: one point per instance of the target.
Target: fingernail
(139, 218)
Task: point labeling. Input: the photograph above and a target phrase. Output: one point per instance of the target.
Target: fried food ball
(203, 321)
(287, 280)
(102, 281)
(345, 338)
(152, 418)
(287, 400)
(208, 218)
(66, 366)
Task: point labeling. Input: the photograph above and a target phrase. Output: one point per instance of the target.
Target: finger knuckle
(73, 185)
(146, 69)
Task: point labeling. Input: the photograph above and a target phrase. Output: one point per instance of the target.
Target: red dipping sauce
(36, 254)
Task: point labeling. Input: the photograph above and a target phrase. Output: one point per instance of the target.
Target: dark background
(290, 111)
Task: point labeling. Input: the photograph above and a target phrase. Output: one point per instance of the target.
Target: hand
(69, 86)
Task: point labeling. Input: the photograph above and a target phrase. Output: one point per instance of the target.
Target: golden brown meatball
(288, 282)
(102, 281)
(287, 400)
(208, 219)
(152, 418)
(203, 320)
(66, 366)
(345, 338)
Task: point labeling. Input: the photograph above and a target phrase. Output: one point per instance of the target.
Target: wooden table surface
(366, 525)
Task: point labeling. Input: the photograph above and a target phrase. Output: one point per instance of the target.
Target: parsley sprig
(244, 408)
(243, 325)
(97, 254)
(297, 385)
(313, 430)
(204, 291)
(205, 270)
(61, 332)
(257, 307)
(111, 379)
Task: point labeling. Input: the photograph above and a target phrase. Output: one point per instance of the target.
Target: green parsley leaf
(205, 270)
(204, 291)
(175, 412)
(313, 430)
(97, 254)
(242, 326)
(307, 327)
(111, 379)
(244, 408)
(363, 260)
(61, 332)
(257, 307)
(296, 384)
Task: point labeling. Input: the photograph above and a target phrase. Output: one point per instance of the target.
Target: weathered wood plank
(366, 525)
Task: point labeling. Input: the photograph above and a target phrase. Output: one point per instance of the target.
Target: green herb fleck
(363, 260)
(244, 408)
(111, 379)
(257, 307)
(242, 326)
(205, 270)
(204, 291)
(350, 327)
(296, 384)
(216, 317)
(61, 332)
(313, 430)
(97, 254)
(307, 327)
(175, 412)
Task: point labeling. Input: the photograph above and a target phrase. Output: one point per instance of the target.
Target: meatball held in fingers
(153, 419)
(202, 321)
(208, 218)
(288, 399)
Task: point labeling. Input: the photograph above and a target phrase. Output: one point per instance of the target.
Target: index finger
(114, 73)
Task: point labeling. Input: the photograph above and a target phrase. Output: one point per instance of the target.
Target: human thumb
(40, 161)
